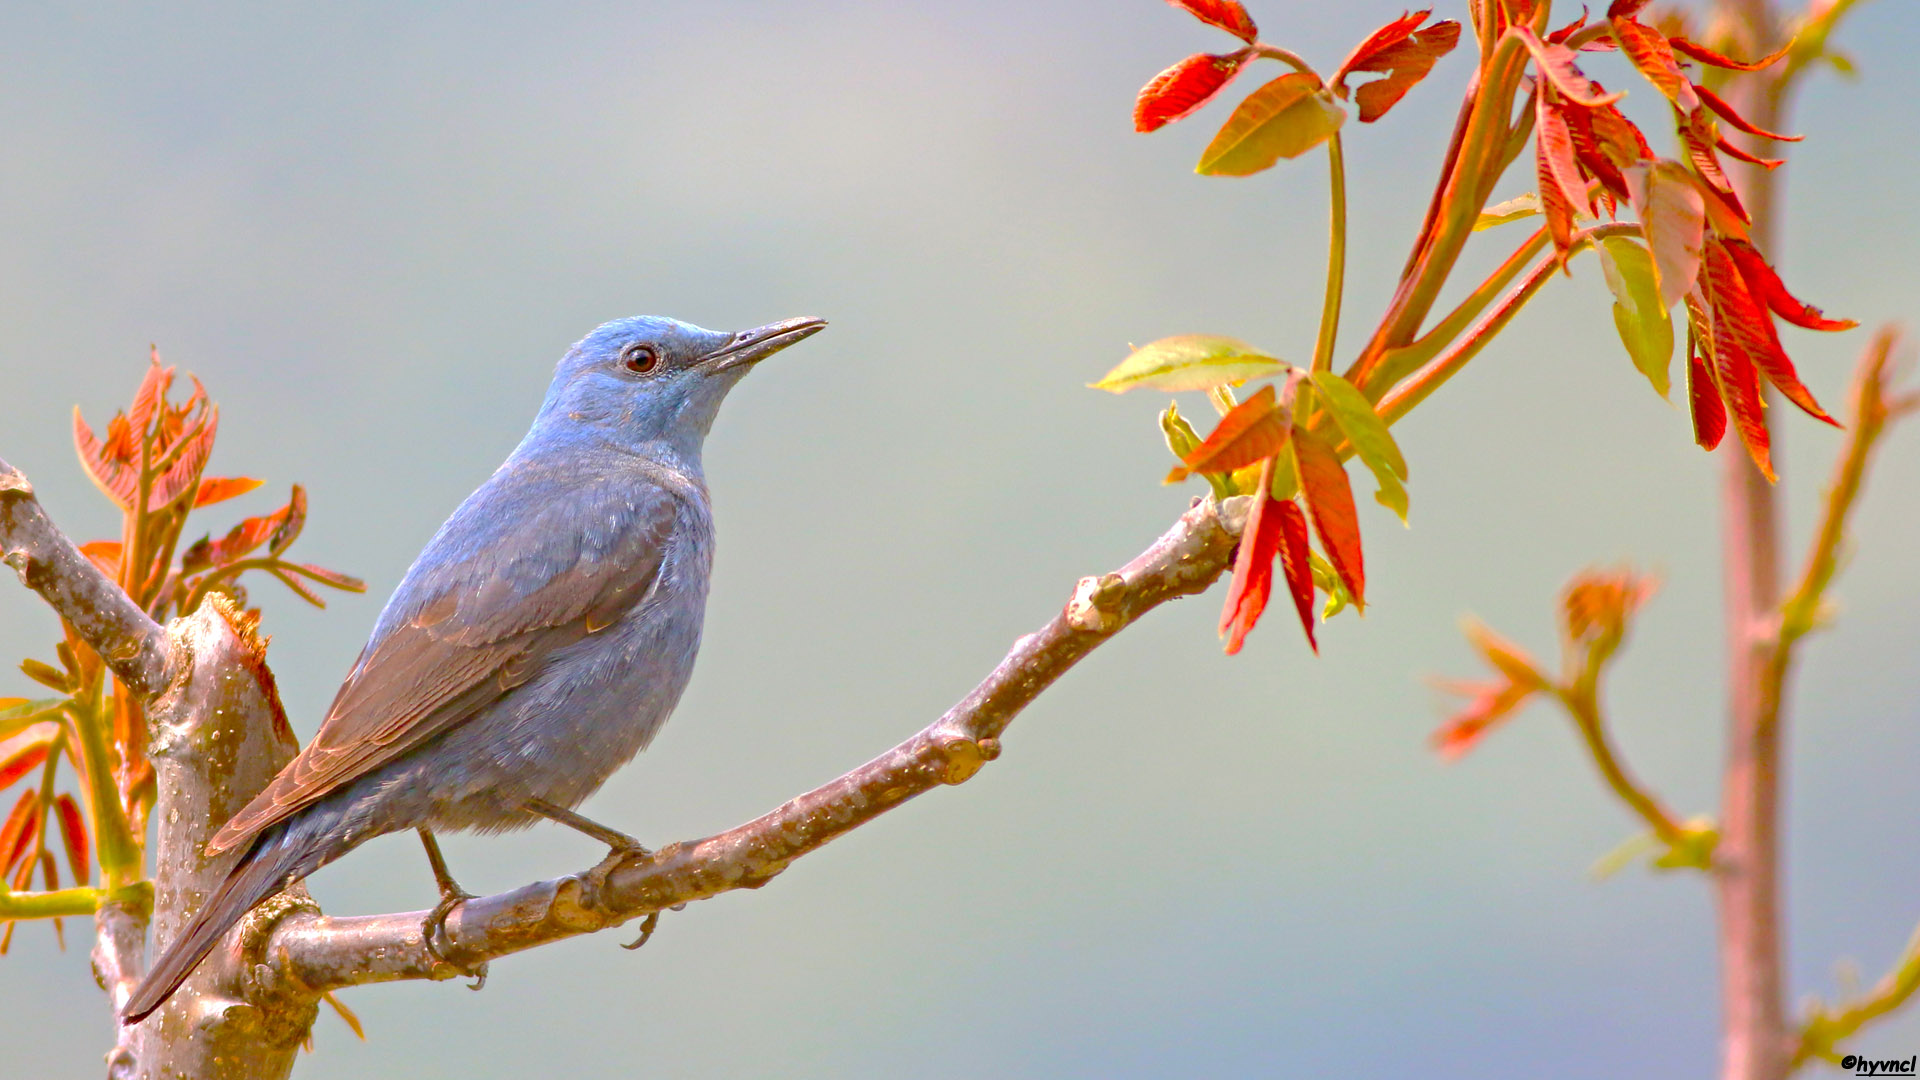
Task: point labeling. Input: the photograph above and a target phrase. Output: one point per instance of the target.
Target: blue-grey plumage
(536, 644)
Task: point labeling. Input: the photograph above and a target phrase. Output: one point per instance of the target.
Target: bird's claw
(647, 927)
(433, 934)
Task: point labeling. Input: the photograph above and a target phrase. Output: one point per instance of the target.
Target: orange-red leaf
(1714, 59)
(215, 489)
(1651, 54)
(1555, 145)
(183, 476)
(1553, 199)
(1698, 136)
(292, 518)
(1556, 63)
(105, 466)
(1740, 123)
(24, 760)
(1738, 154)
(1402, 52)
(1253, 430)
(1488, 703)
(1252, 570)
(1703, 394)
(1296, 561)
(18, 831)
(1228, 15)
(152, 392)
(1739, 385)
(277, 529)
(1766, 285)
(73, 834)
(1323, 480)
(1176, 92)
(1740, 320)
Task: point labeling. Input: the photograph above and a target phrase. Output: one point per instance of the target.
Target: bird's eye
(640, 359)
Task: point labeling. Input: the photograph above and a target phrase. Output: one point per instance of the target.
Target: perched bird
(535, 646)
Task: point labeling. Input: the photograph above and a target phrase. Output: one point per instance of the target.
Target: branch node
(964, 758)
(1093, 608)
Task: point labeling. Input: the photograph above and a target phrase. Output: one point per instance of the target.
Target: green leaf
(1283, 119)
(1181, 439)
(1623, 855)
(1328, 581)
(1371, 440)
(1521, 206)
(1646, 329)
(1189, 362)
(19, 714)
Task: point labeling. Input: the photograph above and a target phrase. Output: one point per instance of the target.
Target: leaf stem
(57, 904)
(1285, 56)
(1583, 705)
(1336, 255)
(119, 854)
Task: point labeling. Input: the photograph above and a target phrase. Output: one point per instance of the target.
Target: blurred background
(371, 230)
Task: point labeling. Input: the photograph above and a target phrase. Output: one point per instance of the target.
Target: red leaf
(73, 834)
(1708, 56)
(279, 527)
(1703, 396)
(1740, 387)
(215, 489)
(152, 392)
(1555, 145)
(1296, 561)
(292, 518)
(18, 831)
(1556, 63)
(1553, 200)
(107, 469)
(1625, 9)
(1560, 36)
(1726, 112)
(1228, 15)
(1253, 430)
(1738, 154)
(1766, 285)
(1651, 54)
(1740, 321)
(24, 761)
(1698, 135)
(1323, 480)
(1488, 703)
(1403, 53)
(183, 475)
(1252, 570)
(1178, 91)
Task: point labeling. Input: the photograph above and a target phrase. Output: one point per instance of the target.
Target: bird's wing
(476, 622)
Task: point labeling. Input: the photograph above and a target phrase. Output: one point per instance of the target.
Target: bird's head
(653, 380)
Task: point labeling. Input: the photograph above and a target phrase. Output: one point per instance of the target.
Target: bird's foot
(647, 927)
(433, 933)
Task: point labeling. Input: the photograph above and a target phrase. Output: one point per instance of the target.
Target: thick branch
(308, 953)
(132, 644)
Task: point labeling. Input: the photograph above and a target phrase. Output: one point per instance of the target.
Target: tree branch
(306, 953)
(132, 644)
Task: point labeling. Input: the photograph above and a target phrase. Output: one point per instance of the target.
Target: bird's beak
(752, 346)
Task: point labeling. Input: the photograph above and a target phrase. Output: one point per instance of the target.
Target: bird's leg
(433, 929)
(620, 842)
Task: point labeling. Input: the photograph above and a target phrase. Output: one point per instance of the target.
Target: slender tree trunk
(1747, 861)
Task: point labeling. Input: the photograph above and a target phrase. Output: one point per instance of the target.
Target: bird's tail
(275, 860)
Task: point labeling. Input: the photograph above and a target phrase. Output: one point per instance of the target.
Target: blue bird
(535, 646)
